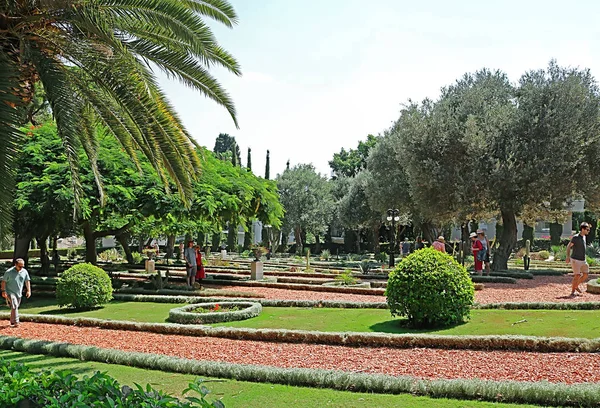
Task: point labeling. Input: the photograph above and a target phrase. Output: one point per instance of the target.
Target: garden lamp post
(393, 216)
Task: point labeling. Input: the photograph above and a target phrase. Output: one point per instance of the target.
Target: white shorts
(579, 267)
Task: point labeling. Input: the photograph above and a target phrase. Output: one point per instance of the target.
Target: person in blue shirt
(12, 289)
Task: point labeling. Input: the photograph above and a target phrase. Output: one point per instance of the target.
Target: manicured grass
(240, 394)
(561, 323)
(116, 310)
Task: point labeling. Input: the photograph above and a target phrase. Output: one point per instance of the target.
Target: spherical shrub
(431, 289)
(544, 255)
(83, 286)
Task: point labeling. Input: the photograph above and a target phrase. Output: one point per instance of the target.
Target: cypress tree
(268, 167)
(234, 154)
(249, 160)
(287, 165)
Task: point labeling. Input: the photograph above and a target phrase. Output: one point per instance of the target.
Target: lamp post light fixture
(393, 216)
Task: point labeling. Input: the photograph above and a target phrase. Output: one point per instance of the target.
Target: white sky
(319, 75)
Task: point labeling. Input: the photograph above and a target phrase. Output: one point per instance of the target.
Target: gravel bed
(421, 363)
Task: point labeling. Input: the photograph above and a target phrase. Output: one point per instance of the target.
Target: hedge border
(185, 315)
(542, 393)
(349, 339)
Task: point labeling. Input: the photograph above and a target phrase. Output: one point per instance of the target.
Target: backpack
(481, 255)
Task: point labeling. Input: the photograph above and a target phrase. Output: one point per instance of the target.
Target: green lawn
(563, 323)
(243, 394)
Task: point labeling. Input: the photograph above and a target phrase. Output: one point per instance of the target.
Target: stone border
(593, 286)
(184, 314)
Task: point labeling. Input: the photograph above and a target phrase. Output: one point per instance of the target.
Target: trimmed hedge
(189, 293)
(541, 306)
(83, 286)
(492, 279)
(185, 314)
(430, 289)
(542, 393)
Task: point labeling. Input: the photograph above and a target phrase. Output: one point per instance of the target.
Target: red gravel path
(538, 289)
(421, 363)
(287, 294)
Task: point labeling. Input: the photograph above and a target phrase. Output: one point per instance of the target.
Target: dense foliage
(96, 64)
(83, 286)
(430, 289)
(22, 387)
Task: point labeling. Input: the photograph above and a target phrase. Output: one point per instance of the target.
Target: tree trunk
(171, 246)
(44, 258)
(556, 231)
(429, 232)
(508, 240)
(376, 238)
(124, 241)
(90, 243)
(248, 236)
(358, 240)
(298, 236)
(232, 237)
(22, 248)
(317, 244)
(216, 242)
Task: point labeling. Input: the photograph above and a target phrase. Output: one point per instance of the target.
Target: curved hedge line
(185, 314)
(541, 393)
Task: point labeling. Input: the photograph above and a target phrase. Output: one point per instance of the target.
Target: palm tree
(95, 61)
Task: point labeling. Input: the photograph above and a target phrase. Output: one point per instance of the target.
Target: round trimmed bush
(83, 286)
(431, 289)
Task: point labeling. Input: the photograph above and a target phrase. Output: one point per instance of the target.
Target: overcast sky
(319, 75)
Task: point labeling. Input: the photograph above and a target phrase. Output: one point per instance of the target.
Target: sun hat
(473, 235)
(479, 231)
(441, 239)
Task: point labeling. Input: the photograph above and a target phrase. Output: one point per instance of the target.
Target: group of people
(193, 262)
(480, 246)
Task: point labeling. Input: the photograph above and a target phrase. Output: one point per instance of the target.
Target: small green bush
(381, 257)
(430, 289)
(543, 255)
(83, 286)
(325, 255)
(560, 252)
(591, 261)
(110, 255)
(346, 278)
(137, 257)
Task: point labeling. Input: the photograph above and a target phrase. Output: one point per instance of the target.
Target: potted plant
(256, 267)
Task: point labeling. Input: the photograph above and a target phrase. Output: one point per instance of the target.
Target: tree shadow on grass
(401, 326)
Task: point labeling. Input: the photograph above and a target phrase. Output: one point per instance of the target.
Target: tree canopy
(96, 61)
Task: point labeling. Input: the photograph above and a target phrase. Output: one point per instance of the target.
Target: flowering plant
(258, 251)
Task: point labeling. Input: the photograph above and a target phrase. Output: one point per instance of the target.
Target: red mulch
(421, 363)
(538, 289)
(288, 294)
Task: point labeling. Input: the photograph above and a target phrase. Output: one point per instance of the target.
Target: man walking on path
(12, 289)
(191, 266)
(577, 258)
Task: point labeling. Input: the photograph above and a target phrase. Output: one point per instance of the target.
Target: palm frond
(9, 138)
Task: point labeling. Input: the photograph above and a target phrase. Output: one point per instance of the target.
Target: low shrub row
(188, 315)
(22, 387)
(492, 279)
(352, 339)
(540, 306)
(541, 393)
(511, 274)
(190, 293)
